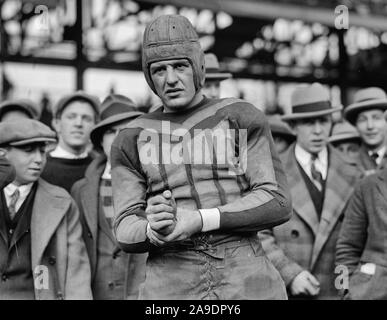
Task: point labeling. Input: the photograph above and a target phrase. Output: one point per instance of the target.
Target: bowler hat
(310, 101)
(77, 96)
(25, 105)
(213, 68)
(24, 131)
(115, 108)
(342, 131)
(365, 99)
(278, 127)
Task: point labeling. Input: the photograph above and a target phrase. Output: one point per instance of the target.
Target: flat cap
(25, 105)
(77, 96)
(26, 131)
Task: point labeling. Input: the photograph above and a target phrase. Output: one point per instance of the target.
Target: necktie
(374, 157)
(12, 205)
(316, 175)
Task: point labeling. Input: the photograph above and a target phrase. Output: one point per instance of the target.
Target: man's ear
(56, 124)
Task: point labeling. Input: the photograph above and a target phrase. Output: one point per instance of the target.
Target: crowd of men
(201, 198)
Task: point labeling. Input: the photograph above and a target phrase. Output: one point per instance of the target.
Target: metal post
(80, 57)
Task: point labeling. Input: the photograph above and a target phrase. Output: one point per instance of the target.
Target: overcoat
(59, 260)
(86, 195)
(304, 242)
(362, 243)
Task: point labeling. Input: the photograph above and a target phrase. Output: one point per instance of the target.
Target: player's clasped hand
(167, 223)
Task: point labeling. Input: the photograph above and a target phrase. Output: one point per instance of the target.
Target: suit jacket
(57, 246)
(304, 242)
(86, 195)
(7, 173)
(363, 239)
(367, 165)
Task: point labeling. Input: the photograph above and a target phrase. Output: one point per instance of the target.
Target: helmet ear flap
(172, 37)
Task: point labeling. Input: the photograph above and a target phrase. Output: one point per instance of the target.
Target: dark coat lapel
(339, 186)
(3, 228)
(89, 196)
(48, 211)
(302, 202)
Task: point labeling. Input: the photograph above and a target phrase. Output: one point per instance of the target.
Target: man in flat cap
(116, 275)
(75, 115)
(214, 76)
(303, 250)
(367, 114)
(42, 253)
(18, 109)
(195, 180)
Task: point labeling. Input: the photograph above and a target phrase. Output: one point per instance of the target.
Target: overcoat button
(52, 260)
(295, 233)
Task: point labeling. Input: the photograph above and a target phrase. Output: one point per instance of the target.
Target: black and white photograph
(193, 155)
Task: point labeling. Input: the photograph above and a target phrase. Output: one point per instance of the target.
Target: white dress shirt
(107, 172)
(59, 152)
(304, 158)
(24, 190)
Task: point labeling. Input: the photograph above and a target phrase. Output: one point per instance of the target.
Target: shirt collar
(107, 172)
(24, 189)
(380, 152)
(59, 152)
(304, 157)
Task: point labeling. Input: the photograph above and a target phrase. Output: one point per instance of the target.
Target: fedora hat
(115, 108)
(213, 68)
(365, 99)
(310, 101)
(278, 127)
(25, 105)
(342, 131)
(25, 131)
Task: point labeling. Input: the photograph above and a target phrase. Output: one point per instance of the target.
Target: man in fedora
(214, 76)
(367, 114)
(42, 253)
(321, 183)
(283, 135)
(115, 274)
(346, 139)
(18, 109)
(197, 214)
(74, 117)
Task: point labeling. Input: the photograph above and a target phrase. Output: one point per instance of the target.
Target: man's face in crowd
(350, 149)
(13, 115)
(312, 133)
(211, 89)
(174, 83)
(74, 125)
(109, 136)
(28, 160)
(371, 126)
